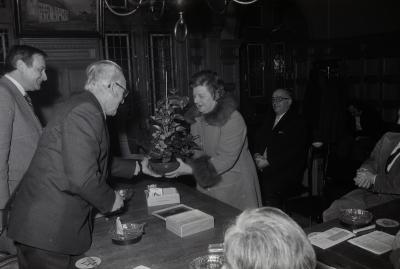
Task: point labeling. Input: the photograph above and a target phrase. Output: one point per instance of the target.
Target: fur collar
(218, 116)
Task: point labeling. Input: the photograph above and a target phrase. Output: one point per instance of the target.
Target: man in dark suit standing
(20, 129)
(281, 150)
(51, 215)
(377, 179)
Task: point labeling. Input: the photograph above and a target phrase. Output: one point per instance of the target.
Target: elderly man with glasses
(51, 218)
(281, 150)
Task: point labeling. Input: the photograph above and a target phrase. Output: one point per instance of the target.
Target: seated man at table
(266, 238)
(51, 213)
(377, 179)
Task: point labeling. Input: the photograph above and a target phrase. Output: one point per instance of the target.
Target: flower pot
(161, 168)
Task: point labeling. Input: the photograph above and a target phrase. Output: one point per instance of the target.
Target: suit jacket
(66, 179)
(20, 130)
(286, 150)
(388, 183)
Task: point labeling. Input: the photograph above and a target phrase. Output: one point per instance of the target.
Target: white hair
(102, 72)
(266, 238)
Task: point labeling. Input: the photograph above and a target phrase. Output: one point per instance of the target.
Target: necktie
(391, 158)
(28, 100)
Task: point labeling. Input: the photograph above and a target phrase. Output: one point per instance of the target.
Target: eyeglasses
(125, 92)
(279, 99)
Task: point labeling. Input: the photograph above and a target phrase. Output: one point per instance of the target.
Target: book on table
(377, 242)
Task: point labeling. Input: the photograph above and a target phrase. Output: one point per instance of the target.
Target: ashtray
(356, 217)
(126, 193)
(132, 233)
(210, 261)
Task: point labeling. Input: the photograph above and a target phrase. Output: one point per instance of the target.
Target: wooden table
(159, 248)
(346, 255)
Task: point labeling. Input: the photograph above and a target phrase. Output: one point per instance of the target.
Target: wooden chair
(310, 202)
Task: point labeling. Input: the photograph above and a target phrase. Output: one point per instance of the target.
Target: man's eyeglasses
(279, 99)
(125, 92)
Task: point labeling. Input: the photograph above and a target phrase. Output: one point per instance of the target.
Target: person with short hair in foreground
(266, 238)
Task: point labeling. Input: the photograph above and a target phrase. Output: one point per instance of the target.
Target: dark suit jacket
(286, 151)
(388, 183)
(66, 178)
(20, 130)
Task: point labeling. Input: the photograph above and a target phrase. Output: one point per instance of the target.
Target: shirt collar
(17, 84)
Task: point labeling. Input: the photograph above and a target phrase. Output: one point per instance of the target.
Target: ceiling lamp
(180, 29)
(112, 10)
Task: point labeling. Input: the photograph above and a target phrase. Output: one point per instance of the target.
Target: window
(117, 49)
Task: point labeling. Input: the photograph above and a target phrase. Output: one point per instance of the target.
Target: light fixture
(122, 13)
(180, 29)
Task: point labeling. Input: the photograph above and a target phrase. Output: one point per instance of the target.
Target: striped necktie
(28, 100)
(391, 158)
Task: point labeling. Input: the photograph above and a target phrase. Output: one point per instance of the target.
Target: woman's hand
(183, 169)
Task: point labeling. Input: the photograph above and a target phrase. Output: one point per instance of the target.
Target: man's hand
(364, 178)
(118, 203)
(183, 169)
(261, 161)
(146, 169)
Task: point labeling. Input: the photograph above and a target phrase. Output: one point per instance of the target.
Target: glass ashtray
(210, 261)
(132, 233)
(356, 217)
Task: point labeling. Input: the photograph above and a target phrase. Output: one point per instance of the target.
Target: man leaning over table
(20, 129)
(378, 179)
(50, 219)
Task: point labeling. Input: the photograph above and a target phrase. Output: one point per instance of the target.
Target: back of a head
(21, 52)
(266, 238)
(102, 73)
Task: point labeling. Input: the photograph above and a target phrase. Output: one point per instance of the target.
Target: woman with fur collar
(224, 168)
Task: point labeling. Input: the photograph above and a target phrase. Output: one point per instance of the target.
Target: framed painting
(58, 18)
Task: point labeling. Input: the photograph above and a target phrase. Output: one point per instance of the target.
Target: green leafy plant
(170, 133)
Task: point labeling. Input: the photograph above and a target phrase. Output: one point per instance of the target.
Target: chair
(310, 202)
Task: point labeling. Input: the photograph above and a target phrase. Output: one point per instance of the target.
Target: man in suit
(51, 215)
(20, 129)
(377, 179)
(281, 150)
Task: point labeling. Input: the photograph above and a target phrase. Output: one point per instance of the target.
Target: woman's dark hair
(209, 79)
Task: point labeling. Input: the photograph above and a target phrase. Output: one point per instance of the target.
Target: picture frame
(66, 18)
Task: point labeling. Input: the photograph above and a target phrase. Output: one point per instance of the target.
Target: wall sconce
(278, 64)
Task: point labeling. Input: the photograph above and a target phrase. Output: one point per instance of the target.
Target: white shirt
(277, 119)
(17, 84)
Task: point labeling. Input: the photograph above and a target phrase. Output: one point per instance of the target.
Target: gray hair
(102, 72)
(265, 238)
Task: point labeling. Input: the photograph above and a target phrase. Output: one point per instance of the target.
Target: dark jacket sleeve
(124, 168)
(204, 171)
(81, 152)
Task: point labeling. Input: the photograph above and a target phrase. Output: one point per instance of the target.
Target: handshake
(261, 161)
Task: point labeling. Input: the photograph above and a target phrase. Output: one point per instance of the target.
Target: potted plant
(170, 135)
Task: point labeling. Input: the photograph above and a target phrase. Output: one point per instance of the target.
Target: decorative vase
(163, 167)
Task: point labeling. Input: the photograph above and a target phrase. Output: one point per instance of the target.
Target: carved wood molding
(67, 49)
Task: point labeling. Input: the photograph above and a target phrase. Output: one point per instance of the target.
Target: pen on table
(366, 228)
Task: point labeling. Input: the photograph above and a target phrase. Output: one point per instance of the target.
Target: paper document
(377, 242)
(330, 237)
